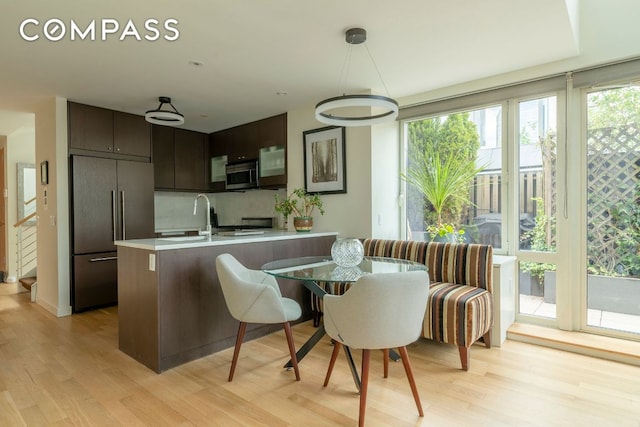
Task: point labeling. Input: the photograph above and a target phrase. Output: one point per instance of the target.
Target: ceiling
(251, 50)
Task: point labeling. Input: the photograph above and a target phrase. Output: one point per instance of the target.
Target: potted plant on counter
(300, 205)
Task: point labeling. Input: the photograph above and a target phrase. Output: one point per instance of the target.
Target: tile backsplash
(174, 211)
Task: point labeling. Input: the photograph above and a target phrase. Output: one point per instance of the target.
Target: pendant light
(164, 117)
(389, 106)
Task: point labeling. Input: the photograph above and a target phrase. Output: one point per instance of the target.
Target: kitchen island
(171, 308)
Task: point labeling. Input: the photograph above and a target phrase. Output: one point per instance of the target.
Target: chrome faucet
(207, 231)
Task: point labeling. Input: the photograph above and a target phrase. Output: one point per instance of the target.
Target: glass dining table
(314, 270)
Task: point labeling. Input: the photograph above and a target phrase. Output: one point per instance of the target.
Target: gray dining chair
(253, 296)
(379, 312)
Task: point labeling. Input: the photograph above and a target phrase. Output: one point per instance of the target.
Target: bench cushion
(457, 314)
(460, 305)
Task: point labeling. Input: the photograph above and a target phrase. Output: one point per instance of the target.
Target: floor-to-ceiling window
(454, 175)
(537, 148)
(554, 159)
(613, 208)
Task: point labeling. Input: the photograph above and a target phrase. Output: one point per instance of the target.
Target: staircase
(28, 282)
(27, 249)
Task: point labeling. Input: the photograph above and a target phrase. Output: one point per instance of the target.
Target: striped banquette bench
(460, 305)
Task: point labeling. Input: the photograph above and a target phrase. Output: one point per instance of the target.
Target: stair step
(27, 282)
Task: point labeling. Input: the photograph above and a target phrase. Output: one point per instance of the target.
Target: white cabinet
(504, 297)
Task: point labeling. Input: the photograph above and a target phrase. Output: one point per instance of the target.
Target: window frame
(570, 256)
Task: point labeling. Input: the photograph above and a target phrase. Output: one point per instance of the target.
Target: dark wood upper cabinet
(131, 134)
(180, 159)
(190, 161)
(163, 157)
(218, 143)
(243, 143)
(90, 128)
(273, 131)
(95, 130)
(265, 140)
(273, 152)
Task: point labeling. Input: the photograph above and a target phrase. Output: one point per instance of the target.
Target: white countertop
(185, 242)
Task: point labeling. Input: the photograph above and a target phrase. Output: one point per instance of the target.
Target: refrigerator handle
(106, 258)
(124, 224)
(114, 217)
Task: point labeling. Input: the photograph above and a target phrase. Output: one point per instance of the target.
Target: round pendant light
(382, 108)
(164, 117)
(324, 108)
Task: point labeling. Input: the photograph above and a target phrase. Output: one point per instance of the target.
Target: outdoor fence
(486, 193)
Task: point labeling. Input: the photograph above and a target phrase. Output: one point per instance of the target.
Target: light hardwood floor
(69, 371)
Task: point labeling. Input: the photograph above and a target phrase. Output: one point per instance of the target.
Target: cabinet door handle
(114, 216)
(124, 224)
(106, 258)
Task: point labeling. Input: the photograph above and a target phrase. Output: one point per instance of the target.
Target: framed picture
(325, 162)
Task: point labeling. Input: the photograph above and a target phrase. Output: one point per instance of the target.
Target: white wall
(3, 146)
(54, 280)
(385, 181)
(349, 214)
(20, 149)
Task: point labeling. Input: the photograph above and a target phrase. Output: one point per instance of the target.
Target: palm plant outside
(441, 169)
(444, 182)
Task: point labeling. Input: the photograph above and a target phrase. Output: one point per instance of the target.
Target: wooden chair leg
(465, 356)
(412, 382)
(236, 351)
(487, 339)
(385, 361)
(332, 362)
(292, 349)
(364, 383)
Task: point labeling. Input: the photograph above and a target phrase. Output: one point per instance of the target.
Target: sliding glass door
(613, 209)
(556, 183)
(537, 169)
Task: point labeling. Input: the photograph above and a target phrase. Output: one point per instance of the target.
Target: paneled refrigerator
(111, 200)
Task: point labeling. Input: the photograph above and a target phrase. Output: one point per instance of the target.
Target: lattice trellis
(613, 174)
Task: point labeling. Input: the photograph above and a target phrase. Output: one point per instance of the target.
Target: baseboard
(56, 311)
(619, 350)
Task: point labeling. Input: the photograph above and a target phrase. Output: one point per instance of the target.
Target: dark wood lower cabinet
(177, 313)
(95, 279)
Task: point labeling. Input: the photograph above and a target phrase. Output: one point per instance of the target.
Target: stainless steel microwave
(242, 175)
